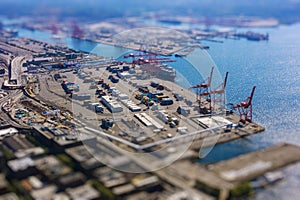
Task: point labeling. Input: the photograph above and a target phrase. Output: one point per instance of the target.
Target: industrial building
(58, 140)
(21, 147)
(22, 167)
(111, 104)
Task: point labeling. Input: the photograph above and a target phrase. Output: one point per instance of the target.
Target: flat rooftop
(9, 196)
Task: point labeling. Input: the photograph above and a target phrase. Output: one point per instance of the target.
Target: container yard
(134, 102)
(158, 111)
(135, 106)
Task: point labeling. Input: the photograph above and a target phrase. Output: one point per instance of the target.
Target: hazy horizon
(284, 11)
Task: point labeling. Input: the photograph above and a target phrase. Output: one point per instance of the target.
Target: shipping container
(125, 68)
(166, 101)
(82, 97)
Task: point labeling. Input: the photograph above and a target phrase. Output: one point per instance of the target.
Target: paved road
(16, 69)
(14, 95)
(149, 163)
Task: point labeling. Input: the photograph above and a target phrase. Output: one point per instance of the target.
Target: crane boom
(225, 81)
(210, 77)
(251, 96)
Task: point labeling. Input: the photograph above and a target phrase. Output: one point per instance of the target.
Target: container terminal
(125, 97)
(68, 98)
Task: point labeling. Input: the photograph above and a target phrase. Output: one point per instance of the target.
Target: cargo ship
(150, 64)
(161, 71)
(10, 33)
(253, 36)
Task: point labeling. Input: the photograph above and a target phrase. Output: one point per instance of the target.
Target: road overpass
(15, 69)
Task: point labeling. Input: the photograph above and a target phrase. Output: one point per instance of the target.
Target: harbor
(161, 111)
(125, 105)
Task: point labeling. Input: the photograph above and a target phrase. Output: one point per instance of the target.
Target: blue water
(181, 65)
(273, 66)
(82, 45)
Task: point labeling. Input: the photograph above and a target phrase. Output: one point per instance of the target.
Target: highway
(16, 71)
(153, 144)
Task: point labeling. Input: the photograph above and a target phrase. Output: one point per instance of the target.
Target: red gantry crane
(77, 32)
(54, 28)
(56, 36)
(203, 93)
(245, 108)
(138, 58)
(146, 58)
(219, 95)
(152, 64)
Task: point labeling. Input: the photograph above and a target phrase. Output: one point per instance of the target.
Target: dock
(224, 178)
(252, 165)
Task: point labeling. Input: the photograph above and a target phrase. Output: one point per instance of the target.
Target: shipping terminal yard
(108, 109)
